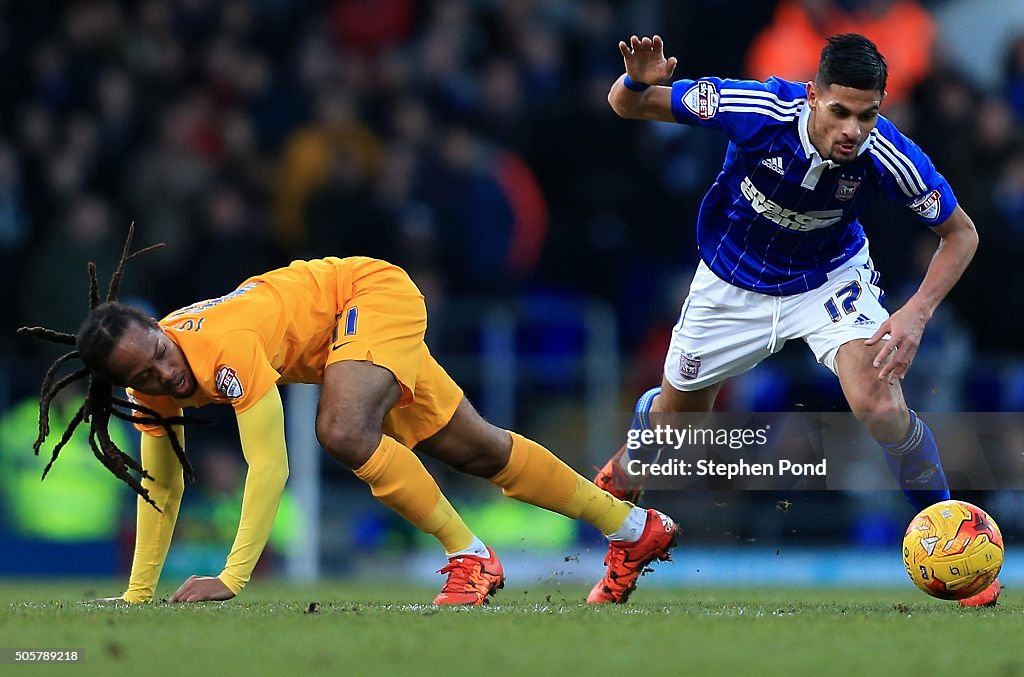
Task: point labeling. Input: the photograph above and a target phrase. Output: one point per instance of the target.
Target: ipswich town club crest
(227, 382)
(689, 366)
(846, 188)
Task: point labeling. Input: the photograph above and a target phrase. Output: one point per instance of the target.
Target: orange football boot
(987, 597)
(471, 579)
(626, 561)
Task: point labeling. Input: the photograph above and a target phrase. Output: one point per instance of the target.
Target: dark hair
(100, 332)
(851, 60)
(97, 336)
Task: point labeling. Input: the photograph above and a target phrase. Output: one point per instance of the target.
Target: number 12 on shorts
(846, 296)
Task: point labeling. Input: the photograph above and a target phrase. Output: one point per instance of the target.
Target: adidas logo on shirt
(774, 163)
(863, 320)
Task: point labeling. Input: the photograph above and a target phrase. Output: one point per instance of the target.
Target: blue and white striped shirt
(779, 218)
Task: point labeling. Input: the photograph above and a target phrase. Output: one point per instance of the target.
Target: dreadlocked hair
(100, 331)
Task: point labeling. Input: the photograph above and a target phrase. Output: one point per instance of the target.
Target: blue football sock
(916, 465)
(641, 422)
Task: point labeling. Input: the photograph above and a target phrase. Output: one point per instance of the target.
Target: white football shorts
(724, 330)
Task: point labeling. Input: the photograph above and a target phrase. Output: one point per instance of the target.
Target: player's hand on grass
(645, 60)
(202, 589)
(905, 328)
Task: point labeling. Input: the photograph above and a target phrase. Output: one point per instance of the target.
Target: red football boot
(471, 579)
(626, 561)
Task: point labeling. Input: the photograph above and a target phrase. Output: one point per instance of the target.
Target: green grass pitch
(273, 629)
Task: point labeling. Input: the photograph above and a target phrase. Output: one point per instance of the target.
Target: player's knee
(886, 418)
(348, 442)
(872, 406)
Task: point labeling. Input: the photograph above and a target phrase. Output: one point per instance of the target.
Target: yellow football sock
(399, 480)
(535, 475)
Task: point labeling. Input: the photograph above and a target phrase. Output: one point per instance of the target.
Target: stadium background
(471, 143)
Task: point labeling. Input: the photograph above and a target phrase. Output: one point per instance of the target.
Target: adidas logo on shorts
(774, 163)
(863, 321)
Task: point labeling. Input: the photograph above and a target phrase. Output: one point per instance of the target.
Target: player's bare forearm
(959, 241)
(654, 103)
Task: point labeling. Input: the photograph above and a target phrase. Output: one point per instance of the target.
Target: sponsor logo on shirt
(928, 206)
(846, 189)
(787, 218)
(227, 382)
(702, 99)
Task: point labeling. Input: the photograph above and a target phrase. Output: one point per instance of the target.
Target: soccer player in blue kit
(783, 255)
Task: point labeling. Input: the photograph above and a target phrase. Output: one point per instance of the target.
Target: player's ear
(812, 93)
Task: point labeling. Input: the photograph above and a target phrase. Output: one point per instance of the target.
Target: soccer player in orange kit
(356, 326)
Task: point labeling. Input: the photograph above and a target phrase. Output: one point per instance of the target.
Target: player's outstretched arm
(154, 529)
(957, 244)
(261, 429)
(643, 97)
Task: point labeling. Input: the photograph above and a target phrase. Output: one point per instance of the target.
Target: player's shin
(399, 480)
(915, 463)
(534, 475)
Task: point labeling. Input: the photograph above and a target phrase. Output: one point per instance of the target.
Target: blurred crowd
(467, 140)
(471, 142)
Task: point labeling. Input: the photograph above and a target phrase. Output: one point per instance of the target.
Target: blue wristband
(633, 85)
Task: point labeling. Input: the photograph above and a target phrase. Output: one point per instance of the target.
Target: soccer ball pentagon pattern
(952, 550)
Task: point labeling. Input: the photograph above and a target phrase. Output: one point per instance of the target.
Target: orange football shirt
(274, 328)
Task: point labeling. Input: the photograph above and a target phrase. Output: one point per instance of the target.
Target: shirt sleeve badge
(702, 99)
(928, 205)
(227, 382)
